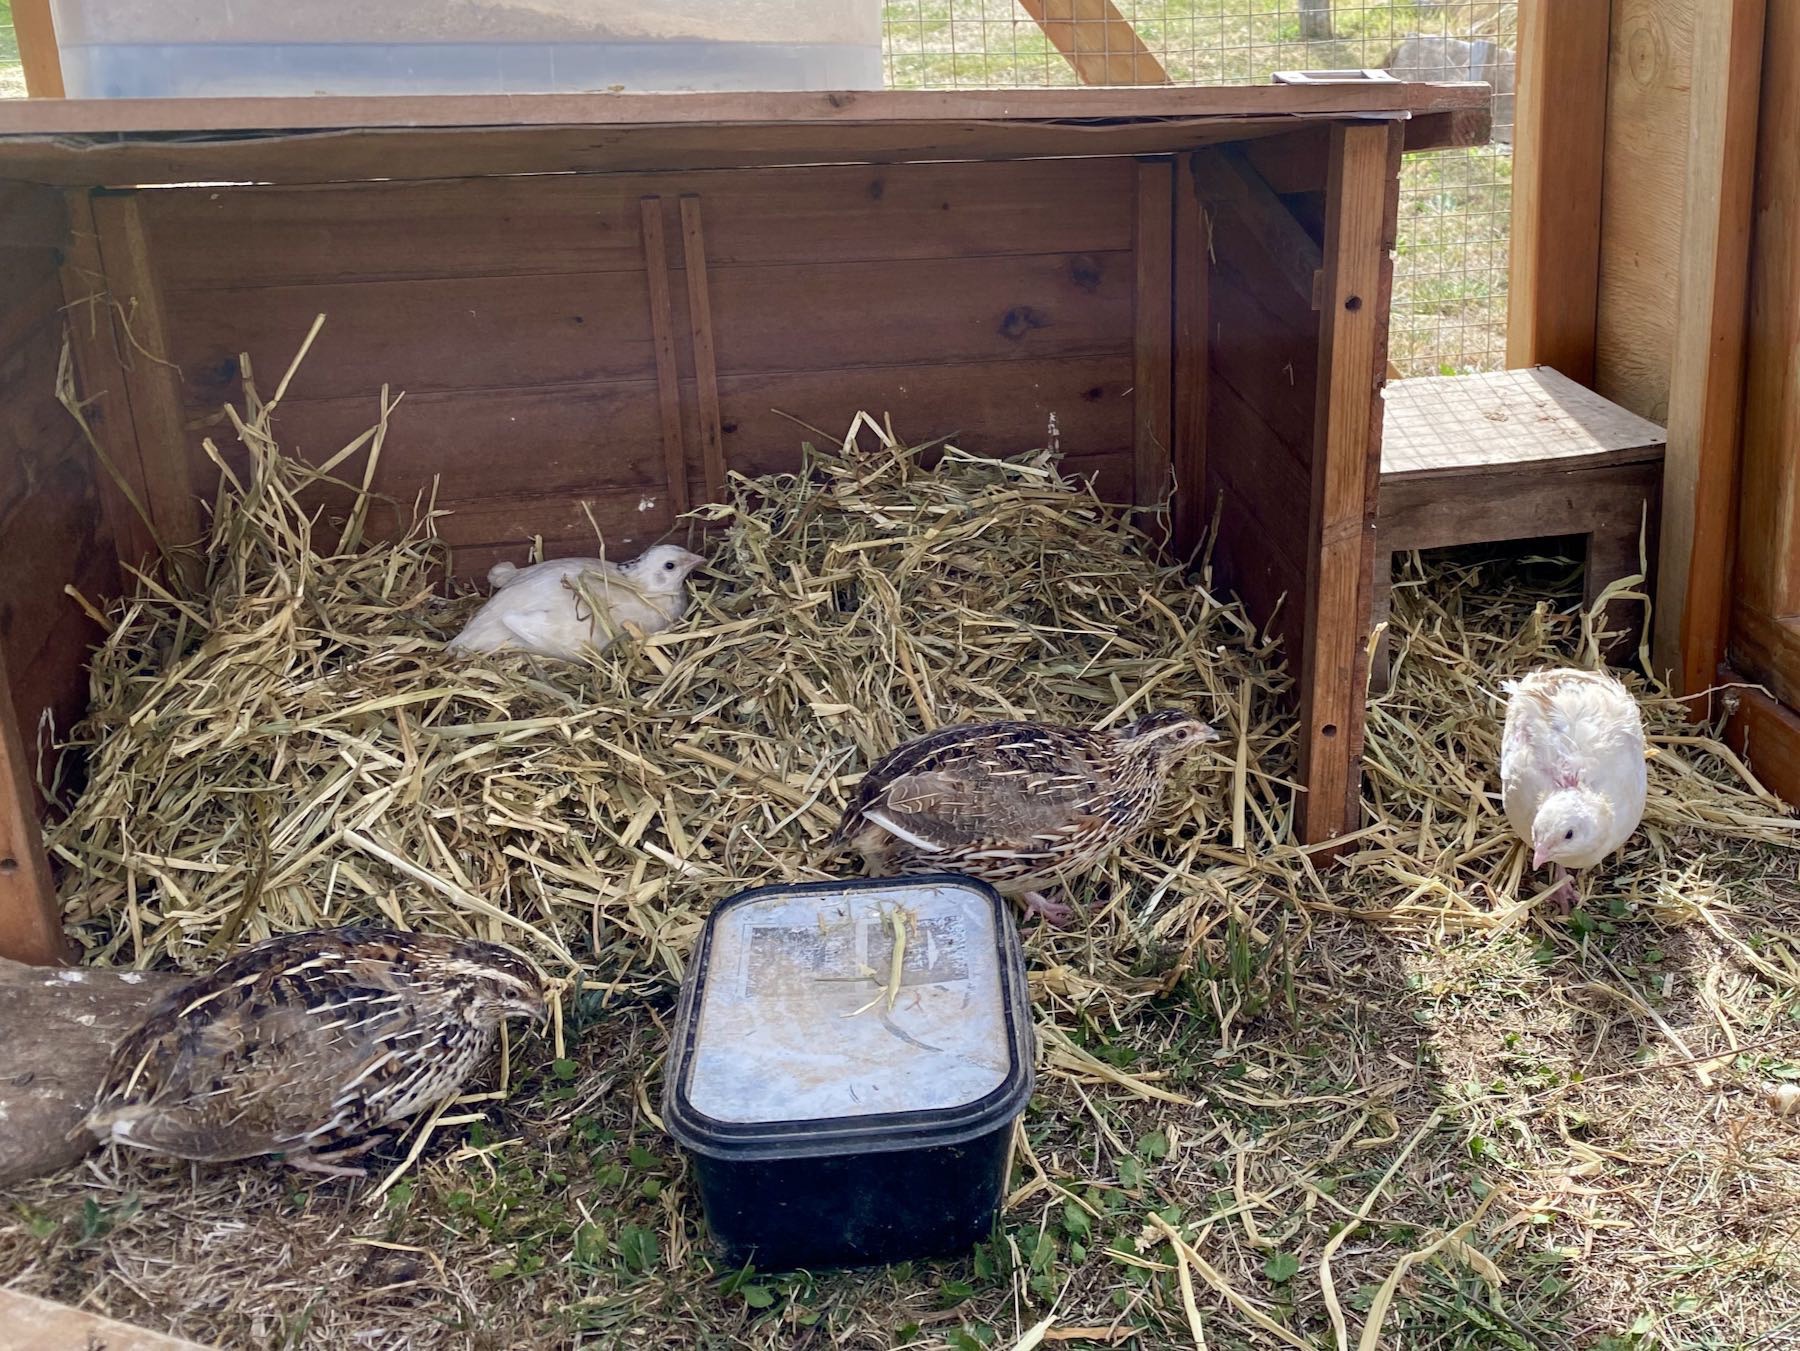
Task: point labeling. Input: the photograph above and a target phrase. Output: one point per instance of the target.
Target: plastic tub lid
(785, 1041)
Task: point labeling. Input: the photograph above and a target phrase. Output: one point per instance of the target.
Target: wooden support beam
(1560, 142)
(1227, 179)
(1153, 311)
(1192, 362)
(1707, 373)
(1361, 218)
(1098, 41)
(1766, 734)
(30, 918)
(35, 32)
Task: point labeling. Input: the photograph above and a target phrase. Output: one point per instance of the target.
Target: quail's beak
(1210, 733)
(1539, 857)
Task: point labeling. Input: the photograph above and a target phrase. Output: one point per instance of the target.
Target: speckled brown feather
(309, 1041)
(1013, 803)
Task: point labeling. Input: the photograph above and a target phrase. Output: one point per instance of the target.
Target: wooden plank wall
(54, 524)
(1648, 92)
(518, 317)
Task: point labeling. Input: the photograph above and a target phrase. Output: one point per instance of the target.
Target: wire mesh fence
(1449, 311)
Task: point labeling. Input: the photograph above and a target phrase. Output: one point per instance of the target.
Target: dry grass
(1386, 1103)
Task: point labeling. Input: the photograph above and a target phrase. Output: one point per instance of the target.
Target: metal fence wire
(1449, 312)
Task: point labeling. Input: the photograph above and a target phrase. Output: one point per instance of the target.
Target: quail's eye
(1568, 834)
(668, 567)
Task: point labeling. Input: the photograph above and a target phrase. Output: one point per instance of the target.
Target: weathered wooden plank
(1228, 180)
(30, 918)
(152, 380)
(34, 30)
(526, 332)
(1558, 159)
(1153, 313)
(1362, 203)
(1766, 734)
(1456, 424)
(706, 370)
(1097, 41)
(662, 332)
(270, 235)
(1707, 375)
(1484, 505)
(1189, 513)
(1648, 93)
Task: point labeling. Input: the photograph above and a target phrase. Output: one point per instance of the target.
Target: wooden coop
(607, 299)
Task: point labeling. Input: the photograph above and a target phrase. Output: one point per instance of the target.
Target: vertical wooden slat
(662, 332)
(1097, 41)
(30, 919)
(1189, 510)
(706, 375)
(1361, 205)
(100, 383)
(1153, 345)
(152, 384)
(35, 32)
(1560, 146)
(1707, 375)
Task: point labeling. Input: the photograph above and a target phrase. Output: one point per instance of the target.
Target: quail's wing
(275, 1069)
(1012, 786)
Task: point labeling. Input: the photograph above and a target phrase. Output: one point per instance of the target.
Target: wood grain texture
(1538, 418)
(1489, 503)
(30, 918)
(1229, 181)
(28, 1323)
(1558, 163)
(1764, 644)
(235, 238)
(1361, 220)
(1097, 41)
(706, 371)
(1153, 313)
(1188, 454)
(152, 380)
(1650, 73)
(1707, 372)
(662, 335)
(34, 29)
(1767, 734)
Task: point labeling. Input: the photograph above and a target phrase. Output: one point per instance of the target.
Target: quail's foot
(1055, 913)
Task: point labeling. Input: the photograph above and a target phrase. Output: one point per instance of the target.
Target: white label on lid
(794, 1024)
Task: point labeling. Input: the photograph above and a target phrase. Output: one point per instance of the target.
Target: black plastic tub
(826, 1125)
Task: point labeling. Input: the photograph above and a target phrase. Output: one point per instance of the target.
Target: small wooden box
(1515, 455)
(604, 298)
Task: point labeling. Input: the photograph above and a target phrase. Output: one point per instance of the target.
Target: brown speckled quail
(306, 1045)
(1016, 804)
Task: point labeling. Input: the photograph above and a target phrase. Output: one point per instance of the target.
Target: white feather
(1567, 728)
(546, 609)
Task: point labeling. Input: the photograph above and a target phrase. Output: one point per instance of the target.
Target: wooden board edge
(30, 914)
(1362, 204)
(1153, 319)
(1559, 152)
(1700, 467)
(1766, 734)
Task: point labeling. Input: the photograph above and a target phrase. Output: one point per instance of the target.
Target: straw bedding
(1277, 1106)
(283, 744)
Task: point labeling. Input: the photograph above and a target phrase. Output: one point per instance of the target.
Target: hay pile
(279, 743)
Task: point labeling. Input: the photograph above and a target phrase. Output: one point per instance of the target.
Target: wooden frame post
(36, 34)
(1361, 219)
(1097, 41)
(1560, 145)
(30, 917)
(1707, 374)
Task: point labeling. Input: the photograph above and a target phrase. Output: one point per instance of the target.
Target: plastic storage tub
(840, 1108)
(190, 48)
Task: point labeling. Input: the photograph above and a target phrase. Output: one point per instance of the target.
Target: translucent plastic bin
(194, 48)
